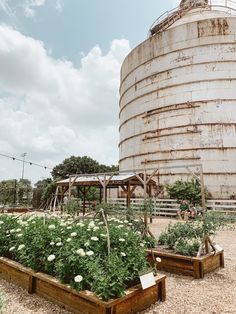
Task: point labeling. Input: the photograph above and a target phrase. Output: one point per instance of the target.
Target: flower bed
(196, 267)
(184, 247)
(134, 300)
(76, 252)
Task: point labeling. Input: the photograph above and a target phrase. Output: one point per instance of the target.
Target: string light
(27, 162)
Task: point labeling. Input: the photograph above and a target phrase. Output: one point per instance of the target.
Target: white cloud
(51, 109)
(4, 6)
(29, 6)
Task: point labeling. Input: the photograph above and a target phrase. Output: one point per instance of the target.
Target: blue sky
(77, 26)
(60, 63)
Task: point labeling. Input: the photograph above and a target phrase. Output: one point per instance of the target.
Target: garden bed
(186, 265)
(134, 300)
(16, 210)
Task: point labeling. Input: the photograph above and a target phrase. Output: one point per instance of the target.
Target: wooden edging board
(186, 265)
(84, 302)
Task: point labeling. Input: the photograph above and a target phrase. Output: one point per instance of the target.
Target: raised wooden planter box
(185, 265)
(84, 302)
(16, 210)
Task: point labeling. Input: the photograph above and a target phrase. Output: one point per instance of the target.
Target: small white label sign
(218, 247)
(147, 280)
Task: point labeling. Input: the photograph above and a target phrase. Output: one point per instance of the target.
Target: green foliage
(74, 165)
(48, 191)
(186, 190)
(186, 238)
(72, 207)
(76, 251)
(15, 192)
(40, 186)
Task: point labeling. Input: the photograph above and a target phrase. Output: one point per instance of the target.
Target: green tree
(13, 191)
(38, 191)
(8, 192)
(79, 165)
(24, 191)
(186, 190)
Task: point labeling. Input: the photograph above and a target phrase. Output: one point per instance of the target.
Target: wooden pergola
(127, 182)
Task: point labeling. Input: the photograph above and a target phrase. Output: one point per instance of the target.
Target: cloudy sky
(59, 77)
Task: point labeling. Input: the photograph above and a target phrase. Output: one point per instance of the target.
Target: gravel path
(216, 294)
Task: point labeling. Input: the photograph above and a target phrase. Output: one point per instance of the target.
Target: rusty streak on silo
(178, 96)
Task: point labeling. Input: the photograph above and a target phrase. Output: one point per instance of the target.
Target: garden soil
(215, 294)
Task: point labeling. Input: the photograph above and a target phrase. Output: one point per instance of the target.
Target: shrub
(186, 238)
(186, 190)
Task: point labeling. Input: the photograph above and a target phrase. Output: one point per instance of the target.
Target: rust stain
(154, 161)
(213, 27)
(219, 149)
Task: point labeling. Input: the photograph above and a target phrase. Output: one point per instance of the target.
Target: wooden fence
(169, 207)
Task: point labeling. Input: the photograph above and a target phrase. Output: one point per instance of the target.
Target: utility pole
(23, 165)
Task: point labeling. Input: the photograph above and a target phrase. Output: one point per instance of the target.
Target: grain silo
(178, 96)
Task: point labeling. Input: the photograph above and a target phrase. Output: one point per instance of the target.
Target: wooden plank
(84, 302)
(185, 265)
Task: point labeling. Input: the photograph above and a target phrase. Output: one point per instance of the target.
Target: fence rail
(169, 207)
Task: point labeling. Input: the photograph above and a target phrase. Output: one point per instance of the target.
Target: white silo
(178, 96)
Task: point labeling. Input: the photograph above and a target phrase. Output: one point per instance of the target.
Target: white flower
(122, 254)
(69, 227)
(142, 244)
(120, 226)
(20, 247)
(51, 258)
(91, 224)
(73, 234)
(78, 278)
(20, 235)
(80, 224)
(23, 223)
(130, 224)
(126, 221)
(18, 230)
(81, 252)
(51, 227)
(90, 253)
(122, 240)
(52, 243)
(136, 220)
(95, 228)
(94, 239)
(87, 243)
(101, 223)
(158, 259)
(68, 240)
(103, 235)
(58, 244)
(138, 232)
(12, 248)
(1, 222)
(62, 224)
(12, 230)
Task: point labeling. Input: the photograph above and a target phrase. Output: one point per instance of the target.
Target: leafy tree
(24, 191)
(8, 192)
(38, 191)
(13, 191)
(79, 165)
(48, 191)
(186, 190)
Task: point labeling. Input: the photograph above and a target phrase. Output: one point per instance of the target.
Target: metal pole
(202, 189)
(23, 167)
